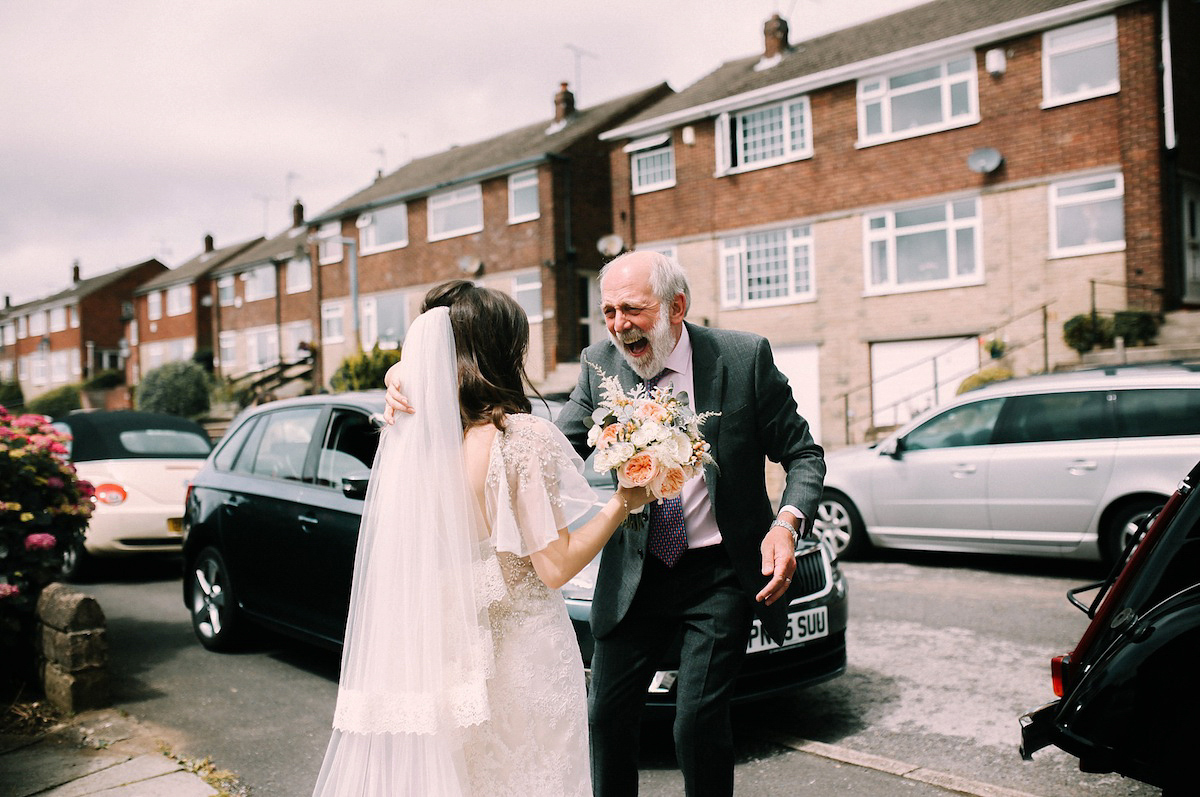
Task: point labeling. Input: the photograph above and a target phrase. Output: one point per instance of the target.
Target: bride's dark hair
(491, 337)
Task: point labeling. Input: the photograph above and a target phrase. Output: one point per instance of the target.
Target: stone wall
(72, 649)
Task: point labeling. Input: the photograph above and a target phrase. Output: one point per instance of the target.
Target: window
(329, 243)
(133, 332)
(768, 267)
(179, 299)
(227, 350)
(652, 163)
(764, 136)
(1158, 412)
(154, 305)
(333, 324)
(154, 355)
(23, 368)
(284, 443)
(74, 316)
(260, 283)
(225, 293)
(384, 228)
(180, 349)
(22, 327)
(523, 196)
(76, 362)
(349, 447)
(37, 324)
(458, 212)
(294, 334)
(6, 370)
(59, 366)
(38, 363)
(1080, 62)
(297, 276)
(262, 347)
(1053, 417)
(921, 248)
(936, 97)
(391, 319)
(9, 334)
(965, 425)
(527, 290)
(1087, 216)
(58, 319)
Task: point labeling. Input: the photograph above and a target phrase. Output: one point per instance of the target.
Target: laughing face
(642, 328)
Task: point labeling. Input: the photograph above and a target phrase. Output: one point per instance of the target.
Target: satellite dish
(984, 160)
(611, 245)
(470, 265)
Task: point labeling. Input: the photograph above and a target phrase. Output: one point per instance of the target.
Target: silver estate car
(1059, 465)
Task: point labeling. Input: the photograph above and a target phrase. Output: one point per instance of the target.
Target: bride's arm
(561, 560)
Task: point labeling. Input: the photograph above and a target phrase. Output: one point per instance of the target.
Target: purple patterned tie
(668, 535)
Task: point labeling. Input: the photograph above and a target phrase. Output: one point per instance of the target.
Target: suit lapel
(708, 381)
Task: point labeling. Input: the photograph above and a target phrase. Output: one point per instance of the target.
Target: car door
(1052, 464)
(933, 487)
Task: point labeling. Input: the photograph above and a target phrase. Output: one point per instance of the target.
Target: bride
(460, 672)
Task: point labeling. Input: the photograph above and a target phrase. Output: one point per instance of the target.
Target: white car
(1059, 465)
(140, 464)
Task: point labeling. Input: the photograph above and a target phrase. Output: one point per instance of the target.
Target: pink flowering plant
(44, 507)
(649, 436)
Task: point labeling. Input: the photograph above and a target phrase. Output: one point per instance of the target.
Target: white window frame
(297, 275)
(226, 291)
(888, 235)
(8, 334)
(154, 305)
(735, 268)
(227, 350)
(22, 327)
(154, 355)
(875, 90)
(1057, 201)
(1073, 39)
(529, 286)
(76, 363)
(39, 369)
(74, 316)
(58, 318)
(329, 243)
(23, 369)
(295, 333)
(519, 184)
(333, 312)
(259, 283)
(440, 204)
(179, 299)
(59, 367)
(641, 152)
(729, 136)
(262, 347)
(37, 323)
(368, 229)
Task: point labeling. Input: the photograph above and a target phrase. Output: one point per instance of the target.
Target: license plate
(802, 626)
(175, 525)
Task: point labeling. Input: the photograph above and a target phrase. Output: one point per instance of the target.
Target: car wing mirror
(354, 485)
(893, 448)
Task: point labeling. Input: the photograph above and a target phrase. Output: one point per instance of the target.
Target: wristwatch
(791, 530)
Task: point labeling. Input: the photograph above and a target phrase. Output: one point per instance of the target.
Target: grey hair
(667, 277)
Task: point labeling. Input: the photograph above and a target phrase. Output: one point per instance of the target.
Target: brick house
(172, 315)
(883, 199)
(71, 335)
(263, 303)
(521, 212)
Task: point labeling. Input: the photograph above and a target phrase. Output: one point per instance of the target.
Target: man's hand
(396, 401)
(778, 562)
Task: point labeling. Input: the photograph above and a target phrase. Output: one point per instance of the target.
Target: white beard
(661, 346)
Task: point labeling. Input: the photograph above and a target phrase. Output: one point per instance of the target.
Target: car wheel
(215, 616)
(1124, 526)
(77, 564)
(839, 522)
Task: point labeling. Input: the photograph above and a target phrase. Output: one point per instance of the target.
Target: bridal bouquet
(649, 436)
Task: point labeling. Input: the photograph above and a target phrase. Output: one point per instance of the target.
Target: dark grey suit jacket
(734, 373)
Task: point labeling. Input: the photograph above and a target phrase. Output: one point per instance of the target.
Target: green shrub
(57, 402)
(11, 395)
(1082, 336)
(985, 376)
(364, 371)
(103, 380)
(178, 388)
(1137, 327)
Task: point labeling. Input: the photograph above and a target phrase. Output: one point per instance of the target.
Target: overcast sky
(131, 128)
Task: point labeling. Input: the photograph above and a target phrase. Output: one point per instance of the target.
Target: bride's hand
(396, 401)
(634, 498)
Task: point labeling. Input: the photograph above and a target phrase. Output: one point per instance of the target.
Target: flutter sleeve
(539, 486)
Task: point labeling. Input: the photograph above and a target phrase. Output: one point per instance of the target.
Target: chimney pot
(297, 214)
(75, 272)
(564, 103)
(208, 243)
(7, 301)
(775, 36)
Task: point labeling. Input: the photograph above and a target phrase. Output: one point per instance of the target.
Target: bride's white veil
(418, 648)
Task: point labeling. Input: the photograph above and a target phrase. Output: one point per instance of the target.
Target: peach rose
(653, 411)
(669, 483)
(638, 471)
(608, 435)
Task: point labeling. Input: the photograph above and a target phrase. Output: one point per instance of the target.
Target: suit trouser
(701, 598)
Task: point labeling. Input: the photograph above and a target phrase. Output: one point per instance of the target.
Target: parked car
(140, 464)
(1128, 691)
(1055, 465)
(272, 524)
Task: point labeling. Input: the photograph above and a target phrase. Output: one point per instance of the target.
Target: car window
(231, 445)
(1049, 417)
(165, 443)
(284, 443)
(1159, 412)
(349, 447)
(964, 425)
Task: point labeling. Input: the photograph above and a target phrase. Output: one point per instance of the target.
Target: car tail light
(1060, 669)
(111, 494)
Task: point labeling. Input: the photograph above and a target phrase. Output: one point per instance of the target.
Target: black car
(271, 526)
(1129, 696)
